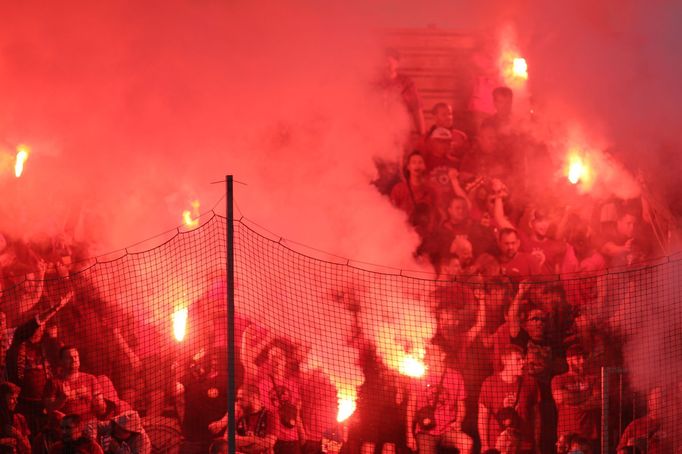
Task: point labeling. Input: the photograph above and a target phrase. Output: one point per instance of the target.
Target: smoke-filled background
(132, 110)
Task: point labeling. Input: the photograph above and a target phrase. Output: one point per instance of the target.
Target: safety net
(132, 350)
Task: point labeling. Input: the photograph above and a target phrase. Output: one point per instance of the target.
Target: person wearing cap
(578, 398)
(125, 435)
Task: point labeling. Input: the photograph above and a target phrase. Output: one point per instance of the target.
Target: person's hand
(42, 268)
(628, 245)
(411, 442)
(453, 174)
(66, 299)
(540, 255)
(216, 427)
(524, 288)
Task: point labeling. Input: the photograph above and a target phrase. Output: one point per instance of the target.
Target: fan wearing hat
(125, 435)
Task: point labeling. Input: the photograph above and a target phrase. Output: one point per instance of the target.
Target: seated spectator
(72, 391)
(578, 398)
(509, 405)
(436, 408)
(113, 405)
(548, 251)
(124, 434)
(14, 431)
(256, 425)
(49, 435)
(73, 441)
(513, 262)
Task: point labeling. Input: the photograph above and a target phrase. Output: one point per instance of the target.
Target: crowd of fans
(513, 367)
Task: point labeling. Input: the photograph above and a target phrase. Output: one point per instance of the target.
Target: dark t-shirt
(205, 402)
(523, 264)
(260, 423)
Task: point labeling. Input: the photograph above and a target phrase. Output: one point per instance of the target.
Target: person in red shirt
(548, 251)
(648, 432)
(509, 404)
(414, 189)
(513, 262)
(578, 398)
(442, 391)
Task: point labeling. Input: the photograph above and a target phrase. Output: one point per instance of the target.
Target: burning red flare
(179, 319)
(22, 156)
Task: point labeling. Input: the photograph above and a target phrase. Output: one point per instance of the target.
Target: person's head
(486, 139)
(462, 249)
(508, 243)
(535, 322)
(502, 100)
(126, 425)
(450, 266)
(442, 115)
(580, 445)
(575, 357)
(513, 360)
(539, 223)
(415, 165)
(498, 291)
(392, 62)
(563, 443)
(218, 446)
(72, 427)
(70, 359)
(277, 359)
(9, 395)
(625, 224)
(457, 210)
(248, 398)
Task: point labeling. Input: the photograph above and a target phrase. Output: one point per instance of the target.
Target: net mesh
(331, 356)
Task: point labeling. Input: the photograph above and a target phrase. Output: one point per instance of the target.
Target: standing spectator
(256, 427)
(14, 431)
(283, 399)
(27, 365)
(513, 262)
(73, 441)
(509, 404)
(415, 189)
(398, 86)
(436, 408)
(548, 251)
(501, 120)
(619, 245)
(578, 398)
(72, 391)
(203, 401)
